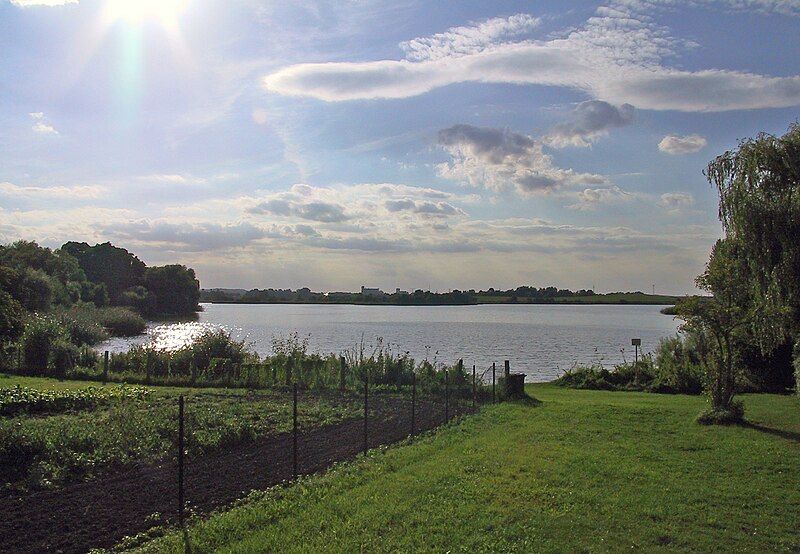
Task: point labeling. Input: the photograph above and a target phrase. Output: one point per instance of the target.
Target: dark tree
(172, 289)
(116, 268)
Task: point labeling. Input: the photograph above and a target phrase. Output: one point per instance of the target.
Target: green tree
(173, 289)
(11, 315)
(116, 268)
(759, 189)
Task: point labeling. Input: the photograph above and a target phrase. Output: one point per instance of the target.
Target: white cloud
(186, 236)
(499, 159)
(41, 125)
(589, 120)
(616, 56)
(61, 192)
(260, 116)
(676, 201)
(29, 3)
(589, 199)
(689, 144)
(471, 39)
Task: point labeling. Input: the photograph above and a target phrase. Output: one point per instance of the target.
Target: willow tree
(759, 207)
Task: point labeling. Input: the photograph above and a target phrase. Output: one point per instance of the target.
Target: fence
(308, 429)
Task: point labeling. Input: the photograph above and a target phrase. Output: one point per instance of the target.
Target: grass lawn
(584, 471)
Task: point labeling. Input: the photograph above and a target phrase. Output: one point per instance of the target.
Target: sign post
(636, 343)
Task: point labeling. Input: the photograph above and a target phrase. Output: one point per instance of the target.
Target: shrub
(81, 325)
(120, 321)
(40, 335)
(731, 415)
(63, 355)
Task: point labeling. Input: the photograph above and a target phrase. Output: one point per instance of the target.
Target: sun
(134, 12)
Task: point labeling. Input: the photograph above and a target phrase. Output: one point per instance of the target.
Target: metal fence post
(105, 367)
(180, 460)
(366, 414)
(294, 431)
(507, 375)
(474, 388)
(413, 402)
(446, 396)
(494, 394)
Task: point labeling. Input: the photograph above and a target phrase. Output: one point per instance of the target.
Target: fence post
(105, 367)
(366, 412)
(474, 388)
(342, 369)
(494, 395)
(147, 368)
(507, 374)
(19, 360)
(294, 431)
(180, 460)
(289, 368)
(413, 402)
(446, 396)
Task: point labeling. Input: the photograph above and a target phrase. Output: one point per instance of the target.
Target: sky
(410, 144)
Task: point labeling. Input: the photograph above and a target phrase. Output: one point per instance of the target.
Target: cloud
(187, 236)
(50, 3)
(498, 159)
(469, 39)
(325, 212)
(589, 199)
(426, 208)
(615, 56)
(676, 201)
(41, 125)
(590, 120)
(675, 145)
(61, 192)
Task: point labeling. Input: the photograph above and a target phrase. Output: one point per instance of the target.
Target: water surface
(539, 340)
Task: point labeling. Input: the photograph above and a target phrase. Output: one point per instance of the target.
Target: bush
(120, 321)
(41, 334)
(732, 415)
(81, 325)
(63, 355)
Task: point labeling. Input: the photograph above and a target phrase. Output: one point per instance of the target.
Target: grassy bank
(584, 471)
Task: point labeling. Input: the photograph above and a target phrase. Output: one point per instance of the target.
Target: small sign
(636, 342)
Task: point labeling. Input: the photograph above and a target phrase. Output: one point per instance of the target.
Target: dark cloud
(589, 120)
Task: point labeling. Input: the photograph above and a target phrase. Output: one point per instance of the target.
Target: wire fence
(194, 481)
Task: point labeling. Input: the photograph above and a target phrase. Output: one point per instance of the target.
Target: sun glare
(135, 12)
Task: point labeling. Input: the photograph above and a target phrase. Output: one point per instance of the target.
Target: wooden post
(494, 394)
(474, 387)
(446, 396)
(147, 368)
(507, 378)
(180, 460)
(366, 414)
(342, 369)
(105, 367)
(294, 431)
(413, 402)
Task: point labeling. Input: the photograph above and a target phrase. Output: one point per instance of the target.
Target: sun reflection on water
(173, 336)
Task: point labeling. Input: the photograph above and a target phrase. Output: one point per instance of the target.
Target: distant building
(371, 292)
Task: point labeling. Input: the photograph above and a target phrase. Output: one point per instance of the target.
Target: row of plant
(214, 359)
(46, 452)
(25, 400)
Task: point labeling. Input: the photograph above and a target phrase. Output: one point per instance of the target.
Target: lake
(539, 340)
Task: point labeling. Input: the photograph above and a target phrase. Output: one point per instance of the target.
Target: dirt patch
(99, 513)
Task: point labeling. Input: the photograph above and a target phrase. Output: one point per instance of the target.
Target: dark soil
(98, 514)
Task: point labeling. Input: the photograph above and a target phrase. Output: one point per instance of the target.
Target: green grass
(80, 444)
(584, 471)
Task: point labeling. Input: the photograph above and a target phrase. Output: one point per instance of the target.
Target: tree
(173, 289)
(116, 268)
(11, 314)
(759, 189)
